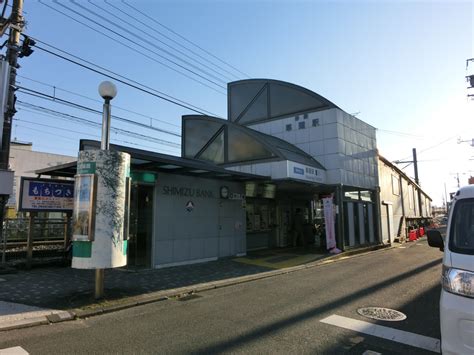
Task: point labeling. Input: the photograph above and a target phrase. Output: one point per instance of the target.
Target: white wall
(343, 144)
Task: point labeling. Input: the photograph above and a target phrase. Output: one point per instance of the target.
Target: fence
(48, 238)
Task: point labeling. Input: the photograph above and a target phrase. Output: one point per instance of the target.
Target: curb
(187, 290)
(129, 302)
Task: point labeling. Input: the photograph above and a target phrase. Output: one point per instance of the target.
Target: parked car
(457, 295)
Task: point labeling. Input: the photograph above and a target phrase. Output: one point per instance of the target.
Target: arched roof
(254, 100)
(224, 142)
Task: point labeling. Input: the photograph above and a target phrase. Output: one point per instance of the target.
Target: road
(281, 314)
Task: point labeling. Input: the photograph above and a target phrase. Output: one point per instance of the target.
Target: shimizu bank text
(240, 182)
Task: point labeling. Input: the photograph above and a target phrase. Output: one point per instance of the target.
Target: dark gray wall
(214, 228)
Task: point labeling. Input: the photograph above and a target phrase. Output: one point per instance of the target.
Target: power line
(150, 43)
(431, 147)
(399, 133)
(70, 117)
(172, 40)
(83, 133)
(161, 41)
(184, 38)
(130, 39)
(132, 49)
(95, 100)
(88, 109)
(161, 95)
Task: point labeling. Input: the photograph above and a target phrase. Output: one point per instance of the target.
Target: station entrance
(141, 226)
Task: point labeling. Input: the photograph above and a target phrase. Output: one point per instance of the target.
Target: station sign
(46, 195)
(305, 172)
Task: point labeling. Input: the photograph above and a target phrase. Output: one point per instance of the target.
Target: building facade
(404, 205)
(257, 180)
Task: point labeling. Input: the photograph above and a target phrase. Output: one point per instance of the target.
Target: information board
(46, 195)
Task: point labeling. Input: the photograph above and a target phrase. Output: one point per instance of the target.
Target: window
(301, 125)
(288, 127)
(297, 117)
(461, 235)
(395, 185)
(316, 122)
(242, 147)
(215, 151)
(305, 116)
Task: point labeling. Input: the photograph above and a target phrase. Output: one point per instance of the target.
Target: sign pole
(29, 243)
(3, 233)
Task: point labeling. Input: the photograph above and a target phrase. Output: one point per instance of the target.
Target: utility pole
(12, 57)
(415, 164)
(16, 26)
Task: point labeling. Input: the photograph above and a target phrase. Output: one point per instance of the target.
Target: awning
(142, 160)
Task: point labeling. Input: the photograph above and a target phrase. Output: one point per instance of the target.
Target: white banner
(328, 207)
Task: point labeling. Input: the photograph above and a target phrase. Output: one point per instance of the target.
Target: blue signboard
(299, 171)
(46, 195)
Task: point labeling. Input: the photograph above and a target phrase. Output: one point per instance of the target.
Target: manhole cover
(380, 313)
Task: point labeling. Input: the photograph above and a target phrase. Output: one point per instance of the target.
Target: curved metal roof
(254, 100)
(281, 149)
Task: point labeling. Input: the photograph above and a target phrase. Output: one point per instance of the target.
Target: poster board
(83, 217)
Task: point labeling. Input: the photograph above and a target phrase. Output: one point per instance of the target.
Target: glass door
(141, 226)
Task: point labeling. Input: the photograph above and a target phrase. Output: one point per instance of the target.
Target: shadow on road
(268, 329)
(425, 307)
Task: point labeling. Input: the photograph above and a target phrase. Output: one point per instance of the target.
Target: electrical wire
(4, 8)
(130, 39)
(95, 100)
(88, 109)
(161, 95)
(404, 134)
(431, 147)
(132, 49)
(97, 136)
(184, 38)
(172, 40)
(70, 117)
(143, 32)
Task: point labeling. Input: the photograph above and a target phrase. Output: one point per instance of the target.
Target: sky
(397, 65)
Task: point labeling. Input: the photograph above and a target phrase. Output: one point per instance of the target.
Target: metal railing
(49, 238)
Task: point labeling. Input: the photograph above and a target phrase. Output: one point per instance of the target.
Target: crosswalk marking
(16, 350)
(399, 336)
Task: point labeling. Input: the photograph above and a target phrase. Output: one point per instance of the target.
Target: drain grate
(380, 313)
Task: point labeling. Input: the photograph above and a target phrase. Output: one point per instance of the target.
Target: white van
(457, 295)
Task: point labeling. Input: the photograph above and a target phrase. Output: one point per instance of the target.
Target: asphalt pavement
(280, 314)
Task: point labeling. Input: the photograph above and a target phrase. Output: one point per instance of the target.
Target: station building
(240, 182)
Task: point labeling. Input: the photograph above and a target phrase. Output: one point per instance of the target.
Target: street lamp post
(108, 91)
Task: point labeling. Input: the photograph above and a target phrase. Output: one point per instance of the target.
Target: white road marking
(371, 352)
(17, 350)
(399, 336)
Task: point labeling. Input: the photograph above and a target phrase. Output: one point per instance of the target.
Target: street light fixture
(108, 91)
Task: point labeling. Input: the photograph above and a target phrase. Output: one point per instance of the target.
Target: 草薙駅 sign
(46, 195)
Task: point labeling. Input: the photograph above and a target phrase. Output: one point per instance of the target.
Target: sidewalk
(67, 293)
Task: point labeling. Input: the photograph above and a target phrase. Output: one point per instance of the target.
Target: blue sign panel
(299, 171)
(46, 195)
